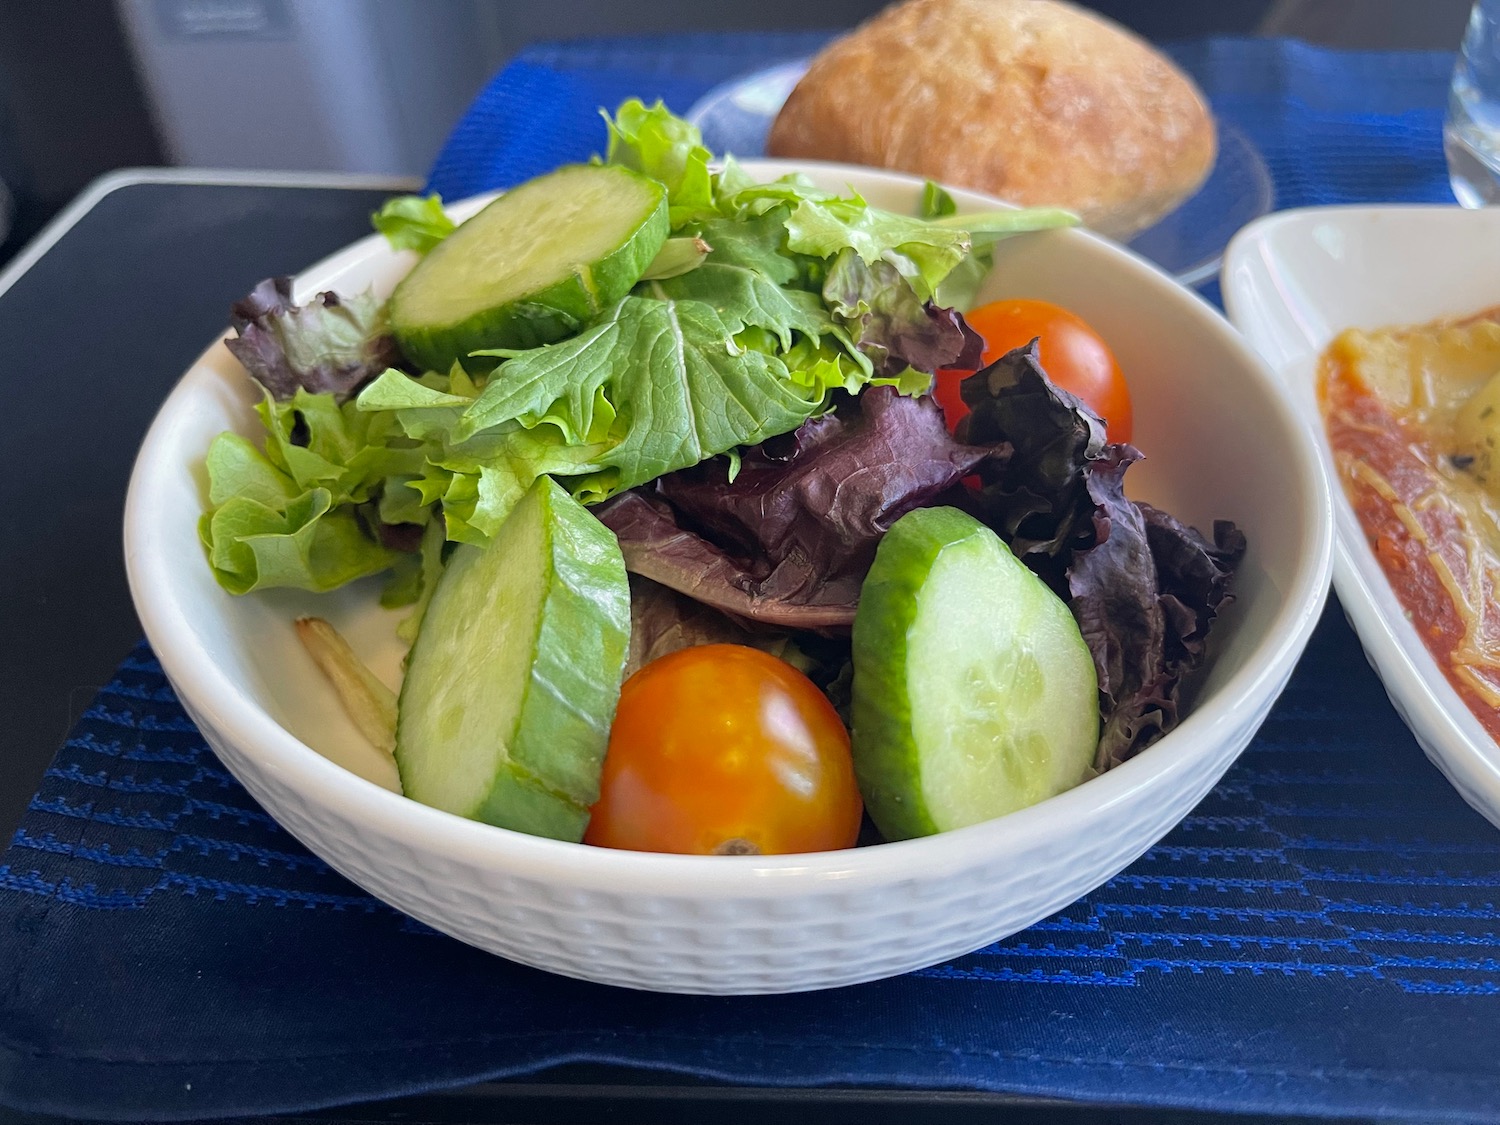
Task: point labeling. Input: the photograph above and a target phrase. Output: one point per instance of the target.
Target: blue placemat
(1321, 936)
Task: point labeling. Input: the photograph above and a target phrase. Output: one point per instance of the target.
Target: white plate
(1188, 243)
(1291, 283)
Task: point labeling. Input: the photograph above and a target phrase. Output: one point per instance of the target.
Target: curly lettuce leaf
(1112, 592)
(921, 252)
(264, 530)
(331, 345)
(788, 540)
(1194, 573)
(985, 228)
(320, 442)
(936, 202)
(960, 289)
(237, 468)
(809, 221)
(754, 283)
(413, 222)
(891, 324)
(477, 479)
(656, 385)
(819, 224)
(823, 365)
(654, 141)
(746, 298)
(681, 388)
(1143, 587)
(1038, 502)
(320, 504)
(756, 242)
(1145, 596)
(732, 178)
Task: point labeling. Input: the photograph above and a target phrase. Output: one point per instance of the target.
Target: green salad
(647, 404)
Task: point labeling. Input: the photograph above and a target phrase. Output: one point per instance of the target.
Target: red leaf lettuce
(331, 345)
(789, 540)
(1143, 587)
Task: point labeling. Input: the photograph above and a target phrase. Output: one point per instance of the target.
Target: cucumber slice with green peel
(532, 267)
(512, 683)
(974, 693)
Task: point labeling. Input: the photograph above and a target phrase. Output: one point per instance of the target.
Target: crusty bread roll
(1034, 101)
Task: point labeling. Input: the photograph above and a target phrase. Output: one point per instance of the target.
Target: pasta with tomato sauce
(1413, 418)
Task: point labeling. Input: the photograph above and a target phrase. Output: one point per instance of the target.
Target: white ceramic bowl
(1221, 442)
(1294, 281)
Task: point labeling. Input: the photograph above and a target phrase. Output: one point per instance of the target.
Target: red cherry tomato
(725, 749)
(1073, 355)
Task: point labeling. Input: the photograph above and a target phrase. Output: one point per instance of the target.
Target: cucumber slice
(533, 266)
(512, 682)
(974, 692)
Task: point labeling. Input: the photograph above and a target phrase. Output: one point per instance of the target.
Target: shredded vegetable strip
(368, 702)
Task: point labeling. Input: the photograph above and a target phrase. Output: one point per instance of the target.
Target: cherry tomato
(724, 749)
(1072, 354)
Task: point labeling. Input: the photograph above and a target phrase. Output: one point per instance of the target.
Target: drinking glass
(1471, 131)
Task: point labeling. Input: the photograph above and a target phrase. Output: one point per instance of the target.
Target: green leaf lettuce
(413, 222)
(768, 303)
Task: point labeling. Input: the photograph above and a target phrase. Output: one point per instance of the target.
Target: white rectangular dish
(1292, 282)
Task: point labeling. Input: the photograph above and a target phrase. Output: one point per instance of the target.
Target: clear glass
(1471, 132)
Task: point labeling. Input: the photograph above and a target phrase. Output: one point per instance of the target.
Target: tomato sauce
(1411, 506)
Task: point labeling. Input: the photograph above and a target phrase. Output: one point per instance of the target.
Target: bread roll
(1037, 102)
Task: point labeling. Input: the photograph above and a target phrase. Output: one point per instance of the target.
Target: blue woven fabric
(1334, 126)
(1322, 935)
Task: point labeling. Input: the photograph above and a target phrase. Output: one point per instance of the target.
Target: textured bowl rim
(1236, 703)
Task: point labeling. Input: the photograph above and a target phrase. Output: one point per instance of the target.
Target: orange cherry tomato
(724, 749)
(1073, 355)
